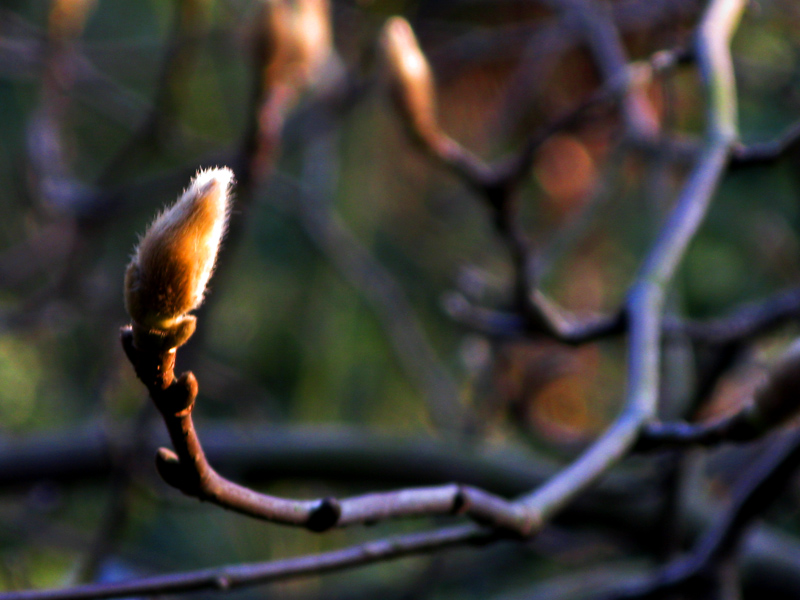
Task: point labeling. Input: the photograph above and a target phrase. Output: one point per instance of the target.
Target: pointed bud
(168, 274)
(411, 80)
(314, 38)
(778, 400)
(277, 43)
(67, 18)
(298, 42)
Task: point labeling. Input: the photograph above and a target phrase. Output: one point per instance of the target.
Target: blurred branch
(497, 183)
(551, 40)
(761, 153)
(646, 298)
(756, 490)
(272, 453)
(605, 44)
(158, 125)
(773, 404)
(758, 552)
(737, 428)
(744, 323)
(227, 578)
(385, 298)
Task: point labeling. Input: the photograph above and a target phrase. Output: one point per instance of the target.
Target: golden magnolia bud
(298, 42)
(410, 79)
(313, 31)
(779, 398)
(168, 274)
(68, 18)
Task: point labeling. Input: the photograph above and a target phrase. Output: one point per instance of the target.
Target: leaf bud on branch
(297, 43)
(67, 18)
(411, 82)
(174, 260)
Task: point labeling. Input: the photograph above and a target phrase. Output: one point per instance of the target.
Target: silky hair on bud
(175, 259)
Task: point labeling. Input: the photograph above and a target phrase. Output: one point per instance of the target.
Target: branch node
(178, 399)
(325, 516)
(171, 470)
(460, 502)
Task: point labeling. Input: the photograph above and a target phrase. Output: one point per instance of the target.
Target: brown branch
(498, 184)
(188, 470)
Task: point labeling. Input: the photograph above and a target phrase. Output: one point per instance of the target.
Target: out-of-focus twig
(758, 488)
(382, 292)
(742, 324)
(646, 298)
(226, 578)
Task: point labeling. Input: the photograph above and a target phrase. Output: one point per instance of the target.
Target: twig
(736, 428)
(227, 578)
(382, 292)
(646, 299)
(757, 489)
(762, 153)
(555, 37)
(498, 184)
(742, 324)
(188, 470)
(511, 325)
(603, 39)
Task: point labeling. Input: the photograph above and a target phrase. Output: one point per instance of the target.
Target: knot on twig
(154, 368)
(460, 502)
(325, 515)
(175, 474)
(178, 399)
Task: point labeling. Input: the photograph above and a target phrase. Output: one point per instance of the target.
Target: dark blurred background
(326, 358)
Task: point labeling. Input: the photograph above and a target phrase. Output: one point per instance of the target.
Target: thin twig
(188, 470)
(762, 153)
(242, 575)
(757, 489)
(646, 299)
(743, 324)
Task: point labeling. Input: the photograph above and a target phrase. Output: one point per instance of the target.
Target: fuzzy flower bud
(68, 18)
(410, 79)
(778, 400)
(174, 260)
(298, 42)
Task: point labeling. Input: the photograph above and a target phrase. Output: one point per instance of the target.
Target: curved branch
(756, 490)
(188, 470)
(646, 300)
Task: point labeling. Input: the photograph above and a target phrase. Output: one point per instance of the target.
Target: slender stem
(226, 578)
(646, 300)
